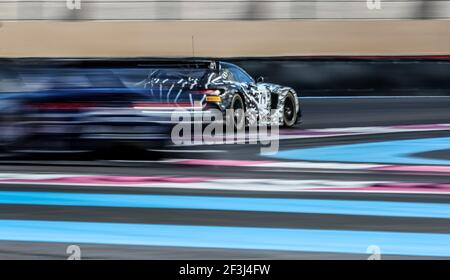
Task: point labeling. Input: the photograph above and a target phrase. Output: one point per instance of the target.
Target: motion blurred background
(223, 28)
(223, 9)
(259, 35)
(370, 160)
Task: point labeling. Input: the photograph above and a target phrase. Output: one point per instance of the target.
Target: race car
(220, 85)
(95, 104)
(78, 110)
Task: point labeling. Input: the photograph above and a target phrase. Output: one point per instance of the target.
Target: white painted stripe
(283, 164)
(190, 151)
(240, 187)
(325, 133)
(319, 165)
(258, 185)
(213, 184)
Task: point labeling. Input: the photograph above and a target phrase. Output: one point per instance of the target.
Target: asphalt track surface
(228, 222)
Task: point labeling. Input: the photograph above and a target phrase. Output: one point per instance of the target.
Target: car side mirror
(260, 80)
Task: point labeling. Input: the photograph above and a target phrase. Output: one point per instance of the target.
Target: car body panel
(263, 101)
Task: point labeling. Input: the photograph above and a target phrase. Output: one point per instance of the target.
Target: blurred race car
(97, 104)
(74, 110)
(221, 85)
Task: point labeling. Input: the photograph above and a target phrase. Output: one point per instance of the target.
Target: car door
(258, 95)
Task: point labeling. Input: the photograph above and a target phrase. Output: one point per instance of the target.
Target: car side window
(228, 75)
(240, 76)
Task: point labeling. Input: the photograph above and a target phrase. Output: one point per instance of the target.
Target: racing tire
(238, 107)
(290, 113)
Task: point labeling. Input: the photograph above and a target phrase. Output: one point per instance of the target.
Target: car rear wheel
(289, 111)
(238, 110)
